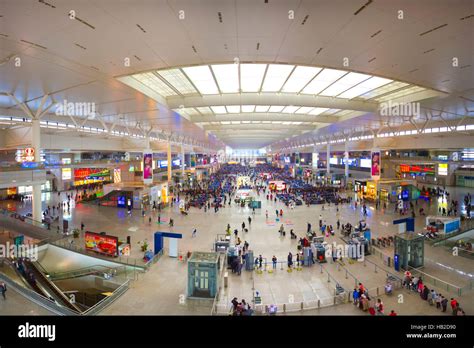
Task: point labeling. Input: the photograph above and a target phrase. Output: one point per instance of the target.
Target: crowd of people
(415, 283)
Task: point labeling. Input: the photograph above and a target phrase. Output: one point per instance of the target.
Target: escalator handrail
(37, 298)
(56, 275)
(54, 288)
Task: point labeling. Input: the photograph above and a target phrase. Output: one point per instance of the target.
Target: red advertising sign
(103, 244)
(83, 173)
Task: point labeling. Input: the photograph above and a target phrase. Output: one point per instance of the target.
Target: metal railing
(466, 225)
(128, 261)
(53, 307)
(434, 281)
(36, 298)
(107, 301)
(91, 270)
(220, 285)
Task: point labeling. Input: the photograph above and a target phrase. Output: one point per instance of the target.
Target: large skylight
(290, 109)
(233, 109)
(276, 77)
(262, 108)
(346, 82)
(299, 78)
(383, 90)
(176, 78)
(276, 108)
(318, 111)
(267, 78)
(364, 87)
(227, 76)
(251, 76)
(153, 82)
(219, 109)
(304, 110)
(202, 78)
(248, 108)
(323, 80)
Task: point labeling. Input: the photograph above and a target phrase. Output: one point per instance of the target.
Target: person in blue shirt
(355, 295)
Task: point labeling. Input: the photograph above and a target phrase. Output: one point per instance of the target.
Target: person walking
(274, 261)
(159, 218)
(266, 214)
(290, 260)
(444, 304)
(82, 226)
(379, 307)
(194, 233)
(250, 221)
(3, 289)
(243, 226)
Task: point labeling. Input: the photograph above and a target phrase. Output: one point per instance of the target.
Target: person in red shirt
(454, 305)
(392, 313)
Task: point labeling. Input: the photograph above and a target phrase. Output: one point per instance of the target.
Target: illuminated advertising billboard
(84, 176)
(365, 162)
(148, 167)
(103, 244)
(375, 164)
(315, 159)
(66, 173)
(443, 169)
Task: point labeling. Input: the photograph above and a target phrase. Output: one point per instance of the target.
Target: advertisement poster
(375, 164)
(443, 169)
(148, 167)
(101, 243)
(66, 173)
(315, 159)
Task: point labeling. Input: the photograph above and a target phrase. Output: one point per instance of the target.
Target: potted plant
(75, 233)
(144, 245)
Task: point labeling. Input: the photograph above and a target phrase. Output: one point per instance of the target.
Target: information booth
(443, 224)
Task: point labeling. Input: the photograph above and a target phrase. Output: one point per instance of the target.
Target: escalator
(42, 285)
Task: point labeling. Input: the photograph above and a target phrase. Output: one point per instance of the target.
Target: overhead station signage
(420, 169)
(25, 155)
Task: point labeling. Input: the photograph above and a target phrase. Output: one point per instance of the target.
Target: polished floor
(162, 290)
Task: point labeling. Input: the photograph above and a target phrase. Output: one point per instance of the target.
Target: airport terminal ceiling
(162, 160)
(255, 75)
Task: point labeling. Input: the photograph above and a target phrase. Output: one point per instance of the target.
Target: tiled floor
(162, 289)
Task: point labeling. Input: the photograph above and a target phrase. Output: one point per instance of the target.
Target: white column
(169, 164)
(346, 157)
(182, 161)
(328, 156)
(36, 144)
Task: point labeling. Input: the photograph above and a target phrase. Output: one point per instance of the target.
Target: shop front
(394, 190)
(360, 187)
(423, 172)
